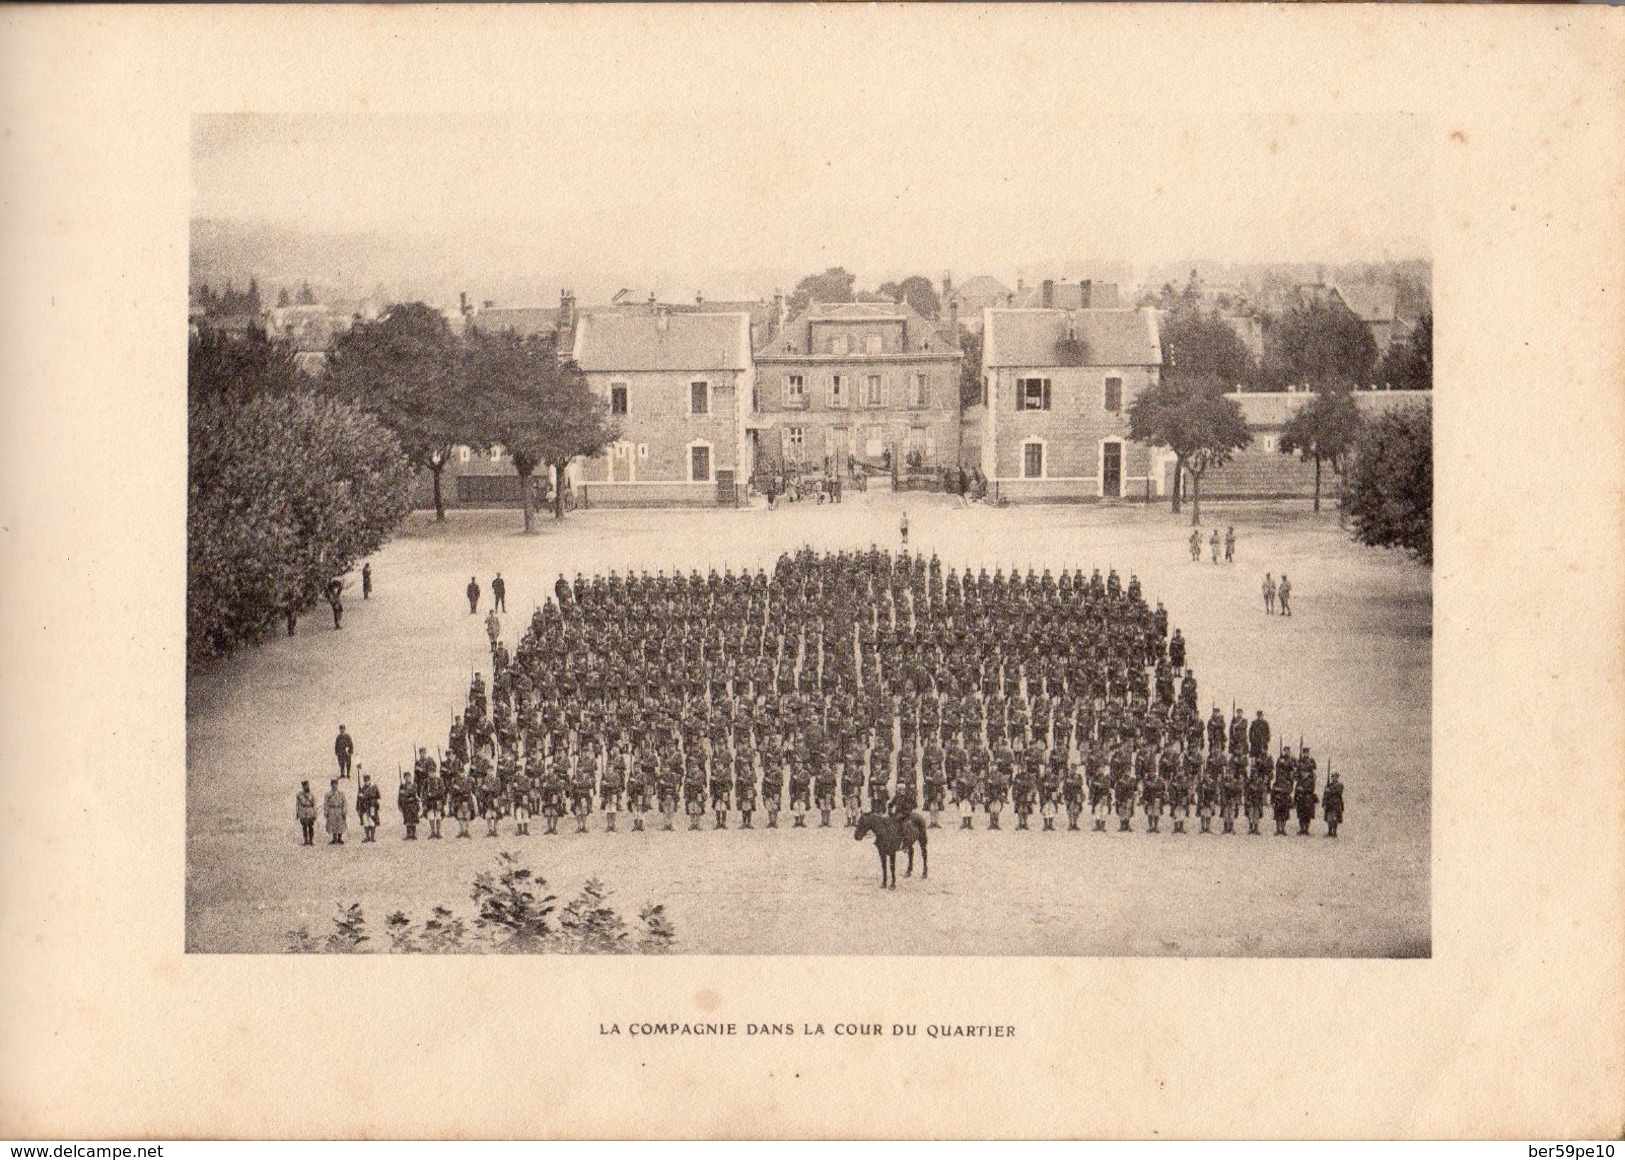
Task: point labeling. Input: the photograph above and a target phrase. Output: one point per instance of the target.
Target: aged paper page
(1506, 1019)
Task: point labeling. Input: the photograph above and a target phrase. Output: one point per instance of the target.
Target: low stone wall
(647, 495)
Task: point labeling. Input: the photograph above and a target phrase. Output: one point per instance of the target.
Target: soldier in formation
(872, 679)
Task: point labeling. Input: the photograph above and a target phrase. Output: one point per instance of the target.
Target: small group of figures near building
(848, 682)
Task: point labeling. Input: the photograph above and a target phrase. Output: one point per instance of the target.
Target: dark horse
(892, 834)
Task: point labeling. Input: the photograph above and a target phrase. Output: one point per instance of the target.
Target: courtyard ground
(1350, 671)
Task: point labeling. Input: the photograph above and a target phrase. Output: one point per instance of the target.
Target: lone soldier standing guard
(367, 801)
(493, 627)
(1285, 593)
(1196, 546)
(903, 529)
(499, 594)
(1269, 594)
(406, 799)
(366, 581)
(344, 750)
(304, 808)
(1230, 544)
(1331, 805)
(335, 811)
(473, 593)
(335, 597)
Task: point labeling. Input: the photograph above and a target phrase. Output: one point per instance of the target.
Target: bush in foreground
(514, 915)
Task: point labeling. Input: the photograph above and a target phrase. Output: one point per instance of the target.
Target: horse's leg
(882, 855)
(925, 860)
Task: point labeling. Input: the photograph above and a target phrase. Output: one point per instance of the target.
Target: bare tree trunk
(439, 503)
(1196, 498)
(1179, 480)
(1317, 483)
(558, 491)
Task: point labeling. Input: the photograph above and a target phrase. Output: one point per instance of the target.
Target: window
(496, 453)
(837, 391)
(464, 455)
(871, 391)
(617, 399)
(1032, 460)
(875, 344)
(794, 439)
(1032, 394)
(919, 394)
(699, 398)
(1114, 394)
(837, 344)
(795, 391)
(699, 463)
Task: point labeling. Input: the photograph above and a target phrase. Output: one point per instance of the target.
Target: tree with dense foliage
(1408, 364)
(537, 406)
(1388, 491)
(1325, 431)
(1186, 411)
(1322, 345)
(970, 368)
(833, 285)
(917, 291)
(1190, 415)
(285, 490)
(405, 369)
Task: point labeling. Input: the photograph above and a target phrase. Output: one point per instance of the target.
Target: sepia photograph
(811, 572)
(586, 555)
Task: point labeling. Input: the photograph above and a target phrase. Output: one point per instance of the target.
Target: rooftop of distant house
(662, 340)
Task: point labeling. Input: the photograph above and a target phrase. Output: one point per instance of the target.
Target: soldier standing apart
(903, 528)
(1214, 544)
(1230, 544)
(367, 800)
(493, 627)
(499, 594)
(1331, 804)
(473, 591)
(1269, 594)
(335, 810)
(343, 749)
(1196, 546)
(366, 581)
(304, 808)
(335, 593)
(1285, 593)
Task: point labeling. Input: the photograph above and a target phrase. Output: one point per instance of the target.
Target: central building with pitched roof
(867, 380)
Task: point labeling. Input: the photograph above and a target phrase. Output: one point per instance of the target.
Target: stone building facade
(1056, 386)
(679, 386)
(874, 381)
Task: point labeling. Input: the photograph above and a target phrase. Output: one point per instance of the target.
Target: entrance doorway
(1111, 469)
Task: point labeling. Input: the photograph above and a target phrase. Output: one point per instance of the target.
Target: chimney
(1049, 293)
(567, 311)
(1086, 292)
(947, 285)
(699, 299)
(1021, 284)
(1009, 299)
(652, 300)
(779, 318)
(462, 303)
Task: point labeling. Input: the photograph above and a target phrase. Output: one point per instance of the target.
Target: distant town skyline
(656, 191)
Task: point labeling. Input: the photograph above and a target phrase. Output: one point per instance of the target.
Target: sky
(887, 159)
